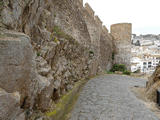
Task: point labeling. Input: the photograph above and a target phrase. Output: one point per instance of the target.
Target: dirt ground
(140, 93)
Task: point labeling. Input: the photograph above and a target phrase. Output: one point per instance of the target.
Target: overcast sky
(143, 14)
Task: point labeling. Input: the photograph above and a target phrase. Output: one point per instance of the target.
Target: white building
(150, 62)
(146, 64)
(146, 42)
(145, 53)
(135, 64)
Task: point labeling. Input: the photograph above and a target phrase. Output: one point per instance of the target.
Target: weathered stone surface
(61, 42)
(21, 116)
(153, 84)
(17, 67)
(10, 105)
(122, 39)
(109, 97)
(16, 63)
(106, 44)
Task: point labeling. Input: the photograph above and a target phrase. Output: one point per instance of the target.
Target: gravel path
(109, 97)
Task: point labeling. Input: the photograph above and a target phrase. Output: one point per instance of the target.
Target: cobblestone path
(109, 97)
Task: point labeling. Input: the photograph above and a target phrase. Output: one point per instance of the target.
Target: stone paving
(109, 97)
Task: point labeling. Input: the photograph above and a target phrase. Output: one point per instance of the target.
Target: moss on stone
(66, 103)
(56, 40)
(58, 32)
(2, 36)
(1, 3)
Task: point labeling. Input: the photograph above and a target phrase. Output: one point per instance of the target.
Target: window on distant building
(149, 62)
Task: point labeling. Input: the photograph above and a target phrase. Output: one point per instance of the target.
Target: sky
(143, 14)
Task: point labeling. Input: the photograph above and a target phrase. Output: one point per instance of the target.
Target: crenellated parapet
(88, 8)
(89, 14)
(104, 29)
(122, 32)
(98, 20)
(80, 2)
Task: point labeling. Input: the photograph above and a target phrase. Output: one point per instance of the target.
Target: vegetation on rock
(119, 68)
(127, 72)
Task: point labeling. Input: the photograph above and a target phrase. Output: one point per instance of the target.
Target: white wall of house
(146, 65)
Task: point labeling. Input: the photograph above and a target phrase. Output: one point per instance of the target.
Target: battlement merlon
(81, 3)
(119, 29)
(121, 24)
(98, 20)
(89, 9)
(104, 28)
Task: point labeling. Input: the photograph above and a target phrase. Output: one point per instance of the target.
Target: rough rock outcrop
(17, 66)
(46, 46)
(10, 105)
(153, 84)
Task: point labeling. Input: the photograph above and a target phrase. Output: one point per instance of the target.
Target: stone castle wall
(94, 30)
(122, 39)
(100, 40)
(65, 43)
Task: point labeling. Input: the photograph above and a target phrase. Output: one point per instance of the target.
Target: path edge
(67, 102)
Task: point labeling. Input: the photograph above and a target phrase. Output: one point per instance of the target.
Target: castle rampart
(122, 37)
(69, 44)
(104, 29)
(98, 20)
(80, 3)
(89, 9)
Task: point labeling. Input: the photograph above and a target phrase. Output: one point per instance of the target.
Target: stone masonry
(46, 47)
(122, 39)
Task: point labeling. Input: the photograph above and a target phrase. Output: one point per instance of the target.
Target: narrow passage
(109, 97)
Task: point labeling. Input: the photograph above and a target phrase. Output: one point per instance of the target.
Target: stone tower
(122, 36)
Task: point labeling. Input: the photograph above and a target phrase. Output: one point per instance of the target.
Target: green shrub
(109, 72)
(38, 54)
(113, 56)
(91, 52)
(118, 67)
(137, 71)
(127, 72)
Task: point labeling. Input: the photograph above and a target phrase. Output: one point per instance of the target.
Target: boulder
(16, 60)
(10, 105)
(17, 66)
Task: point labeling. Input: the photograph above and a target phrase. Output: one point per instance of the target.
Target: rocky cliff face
(153, 84)
(46, 46)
